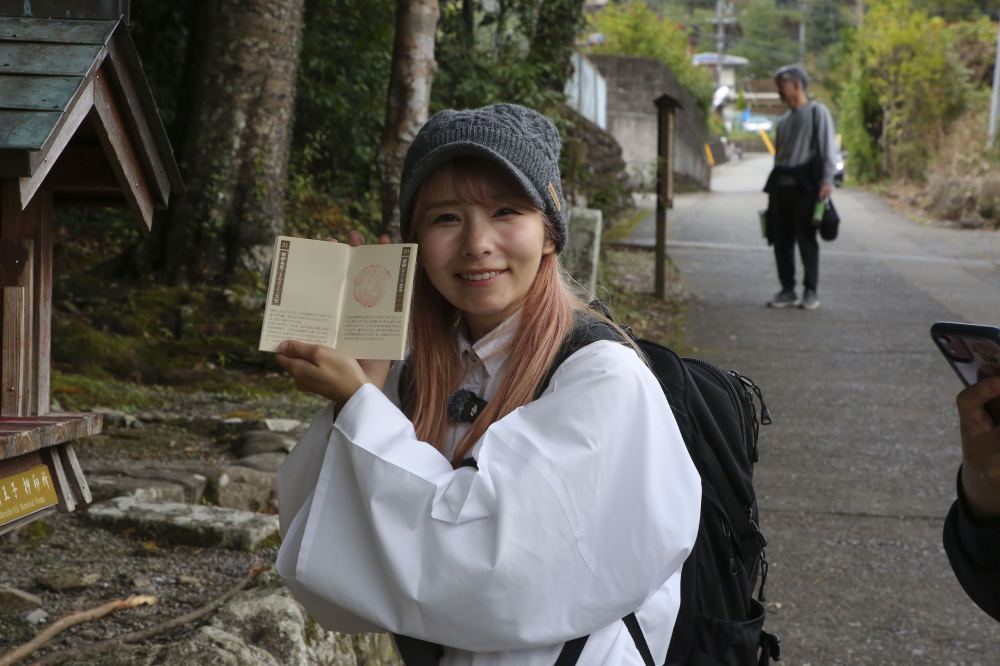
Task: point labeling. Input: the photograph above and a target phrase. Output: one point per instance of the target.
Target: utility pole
(802, 35)
(720, 41)
(995, 96)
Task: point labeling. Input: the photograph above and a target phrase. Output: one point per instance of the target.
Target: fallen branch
(69, 620)
(136, 636)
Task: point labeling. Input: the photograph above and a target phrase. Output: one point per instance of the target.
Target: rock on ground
(188, 524)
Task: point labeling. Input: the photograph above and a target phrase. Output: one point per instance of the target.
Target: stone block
(283, 425)
(104, 487)
(583, 247)
(264, 462)
(262, 441)
(173, 482)
(244, 488)
(189, 524)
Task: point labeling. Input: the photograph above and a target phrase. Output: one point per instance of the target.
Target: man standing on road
(804, 164)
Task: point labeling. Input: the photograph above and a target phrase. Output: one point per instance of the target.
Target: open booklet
(356, 299)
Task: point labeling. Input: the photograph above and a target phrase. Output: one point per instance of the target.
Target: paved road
(858, 470)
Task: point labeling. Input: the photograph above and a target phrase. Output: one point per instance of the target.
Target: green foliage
(491, 63)
(905, 85)
(192, 337)
(88, 235)
(490, 59)
(34, 532)
(861, 122)
(956, 10)
(341, 85)
(633, 29)
(741, 101)
(824, 21)
(769, 41)
(974, 43)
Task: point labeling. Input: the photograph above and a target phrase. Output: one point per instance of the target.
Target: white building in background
(587, 91)
(727, 73)
(726, 90)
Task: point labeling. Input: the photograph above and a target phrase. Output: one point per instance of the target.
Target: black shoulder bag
(830, 224)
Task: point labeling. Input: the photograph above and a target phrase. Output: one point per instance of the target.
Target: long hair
(547, 316)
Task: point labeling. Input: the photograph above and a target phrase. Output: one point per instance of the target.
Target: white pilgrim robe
(583, 508)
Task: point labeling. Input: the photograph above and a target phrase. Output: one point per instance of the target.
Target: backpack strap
(632, 622)
(586, 329)
(571, 651)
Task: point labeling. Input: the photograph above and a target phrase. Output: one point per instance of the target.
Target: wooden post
(26, 324)
(665, 106)
(16, 269)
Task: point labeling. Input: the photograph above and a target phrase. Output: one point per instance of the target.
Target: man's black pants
(790, 211)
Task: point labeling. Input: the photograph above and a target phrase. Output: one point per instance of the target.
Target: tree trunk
(553, 41)
(499, 28)
(408, 102)
(234, 150)
(468, 27)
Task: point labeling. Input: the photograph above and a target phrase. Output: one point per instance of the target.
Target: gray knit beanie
(516, 138)
(792, 73)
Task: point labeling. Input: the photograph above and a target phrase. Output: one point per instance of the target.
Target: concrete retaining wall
(633, 84)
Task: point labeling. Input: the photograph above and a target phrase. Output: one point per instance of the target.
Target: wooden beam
(14, 373)
(16, 266)
(117, 73)
(76, 478)
(65, 131)
(41, 359)
(111, 131)
(32, 433)
(12, 466)
(33, 224)
(64, 492)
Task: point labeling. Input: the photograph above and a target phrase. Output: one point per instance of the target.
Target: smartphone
(973, 351)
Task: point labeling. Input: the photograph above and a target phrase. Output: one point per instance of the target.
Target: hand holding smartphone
(973, 351)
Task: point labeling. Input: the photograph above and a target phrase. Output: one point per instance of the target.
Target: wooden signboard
(25, 493)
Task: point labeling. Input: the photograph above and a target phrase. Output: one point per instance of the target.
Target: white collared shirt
(583, 509)
(484, 362)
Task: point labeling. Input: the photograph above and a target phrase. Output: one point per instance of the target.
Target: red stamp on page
(369, 285)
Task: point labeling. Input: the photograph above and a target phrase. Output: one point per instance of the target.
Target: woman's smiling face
(481, 241)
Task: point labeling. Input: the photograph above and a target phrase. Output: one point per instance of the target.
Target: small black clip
(464, 406)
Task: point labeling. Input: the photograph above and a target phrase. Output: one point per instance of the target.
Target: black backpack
(719, 622)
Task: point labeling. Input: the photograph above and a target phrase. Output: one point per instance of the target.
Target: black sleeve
(974, 553)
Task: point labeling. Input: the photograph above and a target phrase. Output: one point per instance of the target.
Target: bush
(904, 87)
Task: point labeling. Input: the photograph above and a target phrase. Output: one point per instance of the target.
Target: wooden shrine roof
(58, 76)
